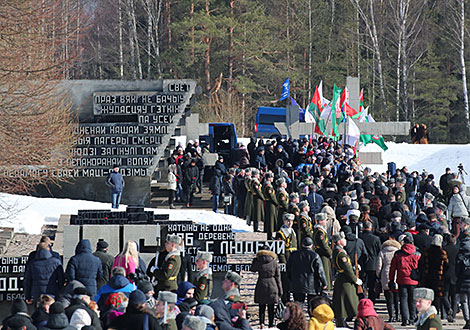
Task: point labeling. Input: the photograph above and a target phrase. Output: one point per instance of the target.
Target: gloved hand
(359, 282)
(392, 285)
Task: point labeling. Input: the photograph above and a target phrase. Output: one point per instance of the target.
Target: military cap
(423, 293)
(248, 170)
(396, 214)
(429, 196)
(302, 204)
(167, 296)
(269, 175)
(280, 181)
(336, 237)
(288, 216)
(320, 216)
(293, 195)
(254, 171)
(233, 277)
(203, 255)
(401, 180)
(441, 206)
(194, 323)
(364, 208)
(173, 239)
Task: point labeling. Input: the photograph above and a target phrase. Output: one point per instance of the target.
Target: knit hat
(102, 244)
(205, 311)
(338, 236)
(288, 216)
(346, 200)
(173, 239)
(307, 241)
(355, 205)
(320, 216)
(437, 240)
(19, 306)
(233, 277)
(194, 323)
(302, 205)
(56, 308)
(424, 293)
(203, 255)
(167, 296)
(137, 297)
(82, 291)
(114, 299)
(145, 286)
(396, 214)
(366, 308)
(441, 206)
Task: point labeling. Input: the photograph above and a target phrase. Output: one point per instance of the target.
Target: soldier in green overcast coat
(203, 282)
(283, 200)
(249, 196)
(428, 318)
(288, 236)
(258, 198)
(305, 223)
(168, 265)
(294, 209)
(322, 246)
(270, 205)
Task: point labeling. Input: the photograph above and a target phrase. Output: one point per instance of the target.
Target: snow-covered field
(30, 213)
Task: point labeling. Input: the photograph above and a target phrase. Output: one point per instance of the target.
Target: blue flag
(285, 89)
(301, 111)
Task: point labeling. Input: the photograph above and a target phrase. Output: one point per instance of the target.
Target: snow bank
(28, 214)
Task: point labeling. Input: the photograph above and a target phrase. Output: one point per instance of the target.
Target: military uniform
(345, 299)
(322, 247)
(283, 200)
(433, 322)
(290, 240)
(249, 197)
(203, 285)
(306, 227)
(270, 209)
(294, 209)
(258, 198)
(401, 195)
(169, 265)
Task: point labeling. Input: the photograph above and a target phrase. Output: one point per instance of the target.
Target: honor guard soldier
(345, 299)
(166, 303)
(283, 200)
(428, 317)
(204, 277)
(257, 213)
(294, 209)
(322, 246)
(305, 223)
(270, 206)
(288, 236)
(249, 196)
(168, 265)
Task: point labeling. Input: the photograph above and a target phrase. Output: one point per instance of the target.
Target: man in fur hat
(305, 223)
(204, 277)
(428, 317)
(271, 206)
(283, 200)
(288, 235)
(257, 213)
(293, 208)
(164, 310)
(168, 265)
(322, 246)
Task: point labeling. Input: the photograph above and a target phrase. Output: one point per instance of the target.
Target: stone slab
(145, 236)
(371, 158)
(354, 88)
(71, 238)
(110, 233)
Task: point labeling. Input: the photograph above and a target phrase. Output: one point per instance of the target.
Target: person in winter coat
(449, 301)
(305, 272)
(84, 266)
(355, 246)
(384, 261)
(128, 258)
(106, 262)
(216, 190)
(117, 283)
(367, 317)
(190, 177)
(172, 185)
(136, 315)
(332, 225)
(462, 269)
(41, 313)
(268, 288)
(229, 194)
(206, 314)
(79, 312)
(44, 275)
(459, 206)
(321, 314)
(433, 265)
(57, 318)
(428, 316)
(19, 313)
(185, 290)
(373, 246)
(403, 263)
(116, 183)
(293, 318)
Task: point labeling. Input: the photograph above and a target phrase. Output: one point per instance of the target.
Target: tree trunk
(136, 39)
(207, 58)
(287, 35)
(121, 52)
(131, 43)
(462, 61)
(399, 55)
(100, 57)
(404, 9)
(156, 25)
(310, 50)
(149, 38)
(191, 14)
(230, 58)
(332, 21)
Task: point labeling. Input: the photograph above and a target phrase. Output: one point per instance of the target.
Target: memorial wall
(124, 123)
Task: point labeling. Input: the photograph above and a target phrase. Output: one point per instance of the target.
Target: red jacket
(403, 262)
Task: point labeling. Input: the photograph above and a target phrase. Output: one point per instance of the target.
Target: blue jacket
(117, 283)
(115, 181)
(315, 201)
(84, 266)
(43, 275)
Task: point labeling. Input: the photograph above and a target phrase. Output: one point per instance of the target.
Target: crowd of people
(349, 236)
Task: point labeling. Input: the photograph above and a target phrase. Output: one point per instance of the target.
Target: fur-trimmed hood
(391, 243)
(266, 253)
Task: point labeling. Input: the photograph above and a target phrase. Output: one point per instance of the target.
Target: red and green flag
(336, 110)
(315, 109)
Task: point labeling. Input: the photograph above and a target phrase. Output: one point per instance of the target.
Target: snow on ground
(434, 158)
(28, 213)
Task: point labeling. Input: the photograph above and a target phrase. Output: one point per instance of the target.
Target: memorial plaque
(11, 277)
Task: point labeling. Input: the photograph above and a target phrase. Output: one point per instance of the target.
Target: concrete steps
(6, 235)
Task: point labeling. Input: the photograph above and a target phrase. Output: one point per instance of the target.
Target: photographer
(190, 177)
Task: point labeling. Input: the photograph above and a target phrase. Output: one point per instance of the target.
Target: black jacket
(422, 241)
(134, 319)
(305, 272)
(12, 319)
(107, 264)
(223, 318)
(57, 321)
(373, 246)
(462, 267)
(191, 174)
(356, 245)
(452, 250)
(80, 304)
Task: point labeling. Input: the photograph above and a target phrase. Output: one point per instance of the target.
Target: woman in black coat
(268, 287)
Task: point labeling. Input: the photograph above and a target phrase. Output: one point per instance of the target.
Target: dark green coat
(322, 247)
(169, 265)
(306, 227)
(203, 285)
(258, 198)
(170, 324)
(433, 322)
(290, 241)
(345, 299)
(249, 197)
(270, 209)
(294, 209)
(283, 200)
(107, 264)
